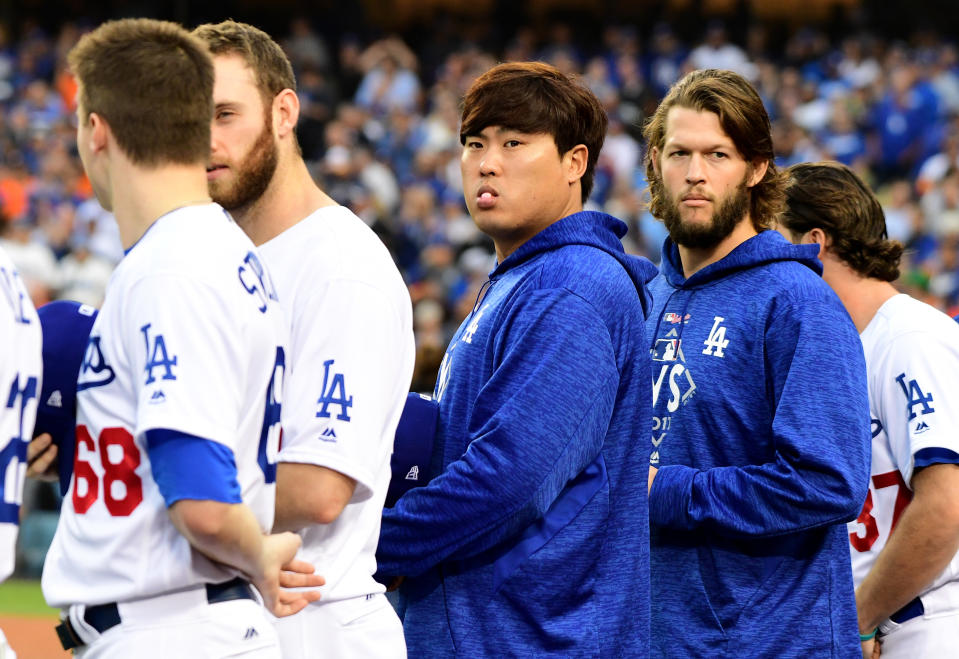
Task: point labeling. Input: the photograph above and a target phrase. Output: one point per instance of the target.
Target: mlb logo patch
(666, 350)
(675, 318)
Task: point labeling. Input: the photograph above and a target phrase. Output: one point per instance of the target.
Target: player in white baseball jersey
(166, 520)
(351, 345)
(20, 380)
(905, 542)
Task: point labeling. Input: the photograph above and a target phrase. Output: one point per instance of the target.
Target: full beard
(704, 236)
(253, 175)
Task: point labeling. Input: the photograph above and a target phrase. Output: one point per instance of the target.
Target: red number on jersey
(83, 472)
(903, 497)
(122, 471)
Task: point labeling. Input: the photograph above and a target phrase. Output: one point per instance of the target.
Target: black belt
(105, 616)
(912, 610)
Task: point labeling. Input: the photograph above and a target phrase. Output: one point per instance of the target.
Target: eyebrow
(717, 146)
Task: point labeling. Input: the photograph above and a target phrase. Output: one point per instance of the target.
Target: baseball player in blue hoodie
(532, 538)
(759, 394)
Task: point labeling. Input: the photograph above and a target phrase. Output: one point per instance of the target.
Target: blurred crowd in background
(379, 129)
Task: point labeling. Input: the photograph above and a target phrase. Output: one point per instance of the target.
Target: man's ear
(759, 168)
(286, 112)
(575, 162)
(817, 236)
(99, 133)
(654, 158)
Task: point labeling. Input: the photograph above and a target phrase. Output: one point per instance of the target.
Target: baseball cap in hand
(412, 446)
(66, 330)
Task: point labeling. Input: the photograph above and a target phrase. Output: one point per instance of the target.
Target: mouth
(486, 197)
(215, 171)
(695, 200)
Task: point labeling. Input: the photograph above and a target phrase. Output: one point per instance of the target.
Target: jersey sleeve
(187, 355)
(348, 345)
(538, 421)
(916, 379)
(819, 471)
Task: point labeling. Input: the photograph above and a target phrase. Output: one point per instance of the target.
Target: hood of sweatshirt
(590, 228)
(765, 247)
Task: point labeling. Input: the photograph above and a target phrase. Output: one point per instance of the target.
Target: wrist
(868, 637)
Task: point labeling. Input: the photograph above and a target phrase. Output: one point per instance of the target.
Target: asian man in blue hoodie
(533, 538)
(760, 434)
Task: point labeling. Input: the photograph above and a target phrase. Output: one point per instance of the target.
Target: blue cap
(412, 446)
(66, 330)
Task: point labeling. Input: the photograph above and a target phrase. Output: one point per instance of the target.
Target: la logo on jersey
(446, 368)
(334, 393)
(717, 341)
(12, 287)
(94, 372)
(157, 356)
(915, 396)
(474, 325)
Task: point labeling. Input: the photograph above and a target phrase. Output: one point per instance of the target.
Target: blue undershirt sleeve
(935, 455)
(190, 467)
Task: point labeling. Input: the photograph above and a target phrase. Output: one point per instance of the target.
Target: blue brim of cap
(66, 329)
(412, 446)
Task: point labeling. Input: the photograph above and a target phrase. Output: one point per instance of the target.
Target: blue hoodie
(533, 540)
(761, 435)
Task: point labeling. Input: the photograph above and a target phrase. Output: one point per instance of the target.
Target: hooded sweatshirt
(761, 435)
(533, 538)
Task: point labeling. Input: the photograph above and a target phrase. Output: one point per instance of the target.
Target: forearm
(225, 533)
(752, 501)
(309, 494)
(921, 546)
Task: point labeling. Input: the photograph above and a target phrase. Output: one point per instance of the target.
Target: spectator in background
(717, 52)
(389, 81)
(33, 258)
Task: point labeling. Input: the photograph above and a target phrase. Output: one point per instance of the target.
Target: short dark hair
(533, 97)
(829, 196)
(153, 84)
(266, 59)
(743, 118)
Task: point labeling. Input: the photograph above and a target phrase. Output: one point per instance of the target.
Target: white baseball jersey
(912, 359)
(351, 362)
(190, 339)
(20, 371)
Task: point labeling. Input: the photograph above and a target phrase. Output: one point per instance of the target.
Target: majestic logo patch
(328, 435)
(157, 397)
(55, 399)
(921, 427)
(413, 474)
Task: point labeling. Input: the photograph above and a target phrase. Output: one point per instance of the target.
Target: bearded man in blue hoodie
(760, 433)
(533, 538)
